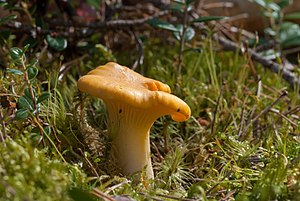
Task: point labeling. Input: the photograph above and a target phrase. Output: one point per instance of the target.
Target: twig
(139, 46)
(34, 101)
(157, 151)
(2, 135)
(58, 141)
(79, 29)
(6, 94)
(175, 198)
(242, 119)
(43, 51)
(124, 23)
(292, 111)
(267, 109)
(151, 197)
(258, 95)
(38, 123)
(25, 9)
(65, 6)
(66, 67)
(290, 77)
(116, 186)
(237, 17)
(266, 46)
(291, 50)
(214, 186)
(100, 194)
(222, 5)
(216, 109)
(196, 121)
(89, 163)
(284, 93)
(182, 41)
(259, 87)
(276, 133)
(229, 195)
(284, 117)
(166, 136)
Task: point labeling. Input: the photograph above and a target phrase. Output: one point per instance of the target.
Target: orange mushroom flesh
(133, 103)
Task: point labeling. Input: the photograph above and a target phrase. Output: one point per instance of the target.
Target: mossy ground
(219, 153)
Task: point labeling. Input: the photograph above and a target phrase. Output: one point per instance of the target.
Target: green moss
(28, 174)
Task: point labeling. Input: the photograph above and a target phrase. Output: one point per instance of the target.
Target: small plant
(280, 29)
(184, 31)
(174, 173)
(32, 96)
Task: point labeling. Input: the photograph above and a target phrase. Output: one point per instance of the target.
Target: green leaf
(188, 2)
(273, 15)
(179, 2)
(162, 25)
(273, 6)
(16, 53)
(25, 48)
(270, 54)
(28, 97)
(35, 130)
(35, 136)
(289, 34)
(196, 191)
(262, 3)
(106, 53)
(33, 62)
(14, 71)
(208, 18)
(24, 103)
(269, 31)
(43, 96)
(196, 50)
(4, 36)
(177, 6)
(291, 42)
(292, 16)
(27, 94)
(58, 43)
(2, 4)
(94, 3)
(7, 18)
(188, 35)
(284, 3)
(32, 72)
(267, 5)
(47, 130)
(22, 114)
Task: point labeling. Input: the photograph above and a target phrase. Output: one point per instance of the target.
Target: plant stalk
(41, 130)
(182, 41)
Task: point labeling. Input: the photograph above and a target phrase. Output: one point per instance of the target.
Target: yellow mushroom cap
(113, 82)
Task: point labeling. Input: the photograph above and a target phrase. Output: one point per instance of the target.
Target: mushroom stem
(129, 132)
(134, 156)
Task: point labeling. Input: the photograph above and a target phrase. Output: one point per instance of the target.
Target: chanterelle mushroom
(133, 103)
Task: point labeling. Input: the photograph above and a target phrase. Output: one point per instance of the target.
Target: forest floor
(242, 141)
